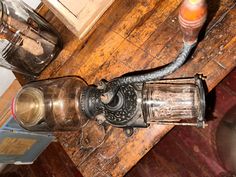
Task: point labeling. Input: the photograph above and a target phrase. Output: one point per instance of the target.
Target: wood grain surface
(78, 15)
(137, 35)
(53, 162)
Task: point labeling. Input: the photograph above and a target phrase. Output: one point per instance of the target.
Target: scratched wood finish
(136, 35)
(78, 15)
(53, 162)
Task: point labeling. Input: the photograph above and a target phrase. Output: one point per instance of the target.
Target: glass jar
(27, 42)
(50, 105)
(169, 101)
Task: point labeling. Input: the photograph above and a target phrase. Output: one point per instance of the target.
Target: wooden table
(136, 35)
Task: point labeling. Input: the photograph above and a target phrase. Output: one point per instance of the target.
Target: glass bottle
(27, 42)
(50, 105)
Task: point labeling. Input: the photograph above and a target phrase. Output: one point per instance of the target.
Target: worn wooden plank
(136, 16)
(135, 35)
(107, 42)
(129, 55)
(94, 40)
(53, 162)
(119, 160)
(165, 39)
(79, 16)
(142, 32)
(72, 45)
(126, 152)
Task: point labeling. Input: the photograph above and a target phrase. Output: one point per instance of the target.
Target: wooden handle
(192, 16)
